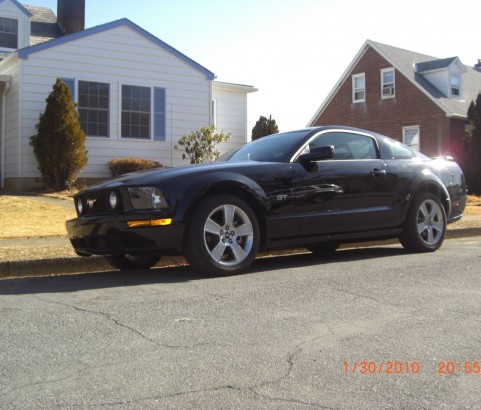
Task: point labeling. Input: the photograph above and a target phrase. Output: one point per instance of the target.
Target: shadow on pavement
(113, 279)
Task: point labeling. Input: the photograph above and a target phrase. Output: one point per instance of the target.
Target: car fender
(427, 180)
(221, 182)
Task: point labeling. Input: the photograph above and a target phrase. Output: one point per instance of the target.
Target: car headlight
(147, 198)
(79, 204)
(113, 200)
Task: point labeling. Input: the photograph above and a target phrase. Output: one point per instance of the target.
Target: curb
(77, 264)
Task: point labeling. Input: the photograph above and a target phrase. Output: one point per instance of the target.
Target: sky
(294, 51)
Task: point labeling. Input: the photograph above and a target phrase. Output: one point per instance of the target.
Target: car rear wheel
(425, 224)
(129, 261)
(222, 236)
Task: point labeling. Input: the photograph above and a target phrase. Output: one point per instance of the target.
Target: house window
(358, 88)
(94, 108)
(8, 33)
(136, 104)
(387, 83)
(455, 86)
(411, 137)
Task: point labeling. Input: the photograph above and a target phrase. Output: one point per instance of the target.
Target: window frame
(453, 86)
(415, 147)
(151, 113)
(356, 90)
(10, 33)
(385, 84)
(108, 110)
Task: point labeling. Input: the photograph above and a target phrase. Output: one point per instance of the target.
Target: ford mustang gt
(315, 188)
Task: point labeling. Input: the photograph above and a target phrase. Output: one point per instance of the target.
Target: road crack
(107, 316)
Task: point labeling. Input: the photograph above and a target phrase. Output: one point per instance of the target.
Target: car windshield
(272, 148)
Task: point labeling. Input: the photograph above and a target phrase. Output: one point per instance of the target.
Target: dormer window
(455, 86)
(387, 83)
(8, 33)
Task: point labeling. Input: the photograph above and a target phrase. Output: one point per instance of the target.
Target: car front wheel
(129, 261)
(425, 224)
(222, 237)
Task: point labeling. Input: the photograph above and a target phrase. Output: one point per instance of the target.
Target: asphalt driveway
(294, 332)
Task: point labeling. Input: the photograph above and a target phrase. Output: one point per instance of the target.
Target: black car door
(354, 191)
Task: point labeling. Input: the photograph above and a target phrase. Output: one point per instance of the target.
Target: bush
(201, 146)
(120, 166)
(59, 143)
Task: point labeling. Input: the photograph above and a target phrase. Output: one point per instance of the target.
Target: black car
(315, 188)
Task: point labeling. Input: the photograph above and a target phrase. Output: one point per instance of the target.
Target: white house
(136, 95)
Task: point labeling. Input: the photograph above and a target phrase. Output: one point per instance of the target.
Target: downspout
(5, 89)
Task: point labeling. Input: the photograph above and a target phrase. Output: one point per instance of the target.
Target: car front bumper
(111, 235)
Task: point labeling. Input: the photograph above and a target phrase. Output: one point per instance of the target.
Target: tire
(425, 225)
(325, 250)
(131, 262)
(222, 236)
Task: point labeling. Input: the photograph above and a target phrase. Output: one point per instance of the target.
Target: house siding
(117, 56)
(12, 120)
(231, 117)
(409, 107)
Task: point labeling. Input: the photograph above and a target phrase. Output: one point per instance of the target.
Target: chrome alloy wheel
(228, 235)
(430, 222)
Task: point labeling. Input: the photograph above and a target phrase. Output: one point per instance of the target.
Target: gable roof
(43, 25)
(25, 52)
(435, 64)
(405, 62)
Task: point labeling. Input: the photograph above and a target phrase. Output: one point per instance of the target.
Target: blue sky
(294, 52)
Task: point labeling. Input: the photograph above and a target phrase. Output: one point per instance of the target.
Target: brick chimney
(71, 15)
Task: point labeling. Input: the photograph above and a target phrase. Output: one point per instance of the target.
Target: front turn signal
(151, 222)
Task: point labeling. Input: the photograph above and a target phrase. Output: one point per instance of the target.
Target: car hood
(159, 175)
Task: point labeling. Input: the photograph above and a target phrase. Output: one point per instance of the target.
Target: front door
(352, 192)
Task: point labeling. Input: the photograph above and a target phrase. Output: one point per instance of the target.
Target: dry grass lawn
(26, 217)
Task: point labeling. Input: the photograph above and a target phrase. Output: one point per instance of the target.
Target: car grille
(97, 202)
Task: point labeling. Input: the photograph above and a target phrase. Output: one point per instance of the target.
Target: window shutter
(159, 114)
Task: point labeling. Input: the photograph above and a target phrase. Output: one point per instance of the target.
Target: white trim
(151, 126)
(412, 128)
(354, 77)
(77, 96)
(219, 85)
(385, 86)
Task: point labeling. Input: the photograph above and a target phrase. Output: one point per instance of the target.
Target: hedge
(120, 166)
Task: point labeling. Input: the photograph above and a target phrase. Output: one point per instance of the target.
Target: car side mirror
(316, 154)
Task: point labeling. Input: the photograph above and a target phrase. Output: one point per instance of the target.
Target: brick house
(414, 98)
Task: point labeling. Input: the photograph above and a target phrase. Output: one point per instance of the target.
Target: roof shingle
(44, 25)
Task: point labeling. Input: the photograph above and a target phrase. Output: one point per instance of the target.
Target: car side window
(399, 151)
(347, 145)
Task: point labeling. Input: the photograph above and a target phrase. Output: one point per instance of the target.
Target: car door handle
(378, 172)
(331, 188)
